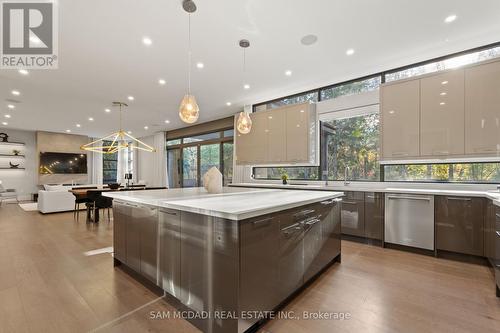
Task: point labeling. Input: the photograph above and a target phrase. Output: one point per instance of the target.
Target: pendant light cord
(121, 127)
(189, 54)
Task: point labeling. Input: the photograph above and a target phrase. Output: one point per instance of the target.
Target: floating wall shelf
(12, 155)
(12, 143)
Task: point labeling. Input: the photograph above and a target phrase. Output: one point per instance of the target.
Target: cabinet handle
(268, 219)
(312, 222)
(497, 215)
(459, 199)
(486, 150)
(403, 153)
(350, 202)
(169, 213)
(304, 212)
(498, 233)
(295, 226)
(410, 198)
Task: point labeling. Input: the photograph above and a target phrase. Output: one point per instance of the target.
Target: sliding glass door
(189, 158)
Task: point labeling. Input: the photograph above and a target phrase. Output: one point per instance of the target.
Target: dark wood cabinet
(374, 215)
(353, 214)
(459, 224)
(490, 231)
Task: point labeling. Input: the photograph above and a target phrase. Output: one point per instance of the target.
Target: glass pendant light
(189, 110)
(244, 123)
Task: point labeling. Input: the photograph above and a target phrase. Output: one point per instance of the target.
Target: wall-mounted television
(62, 163)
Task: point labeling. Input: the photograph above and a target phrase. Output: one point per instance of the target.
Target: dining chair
(81, 200)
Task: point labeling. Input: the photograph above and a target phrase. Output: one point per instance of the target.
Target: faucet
(346, 172)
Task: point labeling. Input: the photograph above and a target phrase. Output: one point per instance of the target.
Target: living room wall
(24, 181)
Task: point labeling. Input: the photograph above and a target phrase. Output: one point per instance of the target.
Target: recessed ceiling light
(7, 116)
(68, 131)
(246, 86)
(288, 73)
(129, 132)
(228, 103)
(15, 92)
(147, 41)
(450, 18)
(145, 127)
(309, 40)
(162, 82)
(443, 93)
(78, 125)
(11, 106)
(391, 112)
(444, 82)
(91, 119)
(167, 121)
(5, 123)
(200, 65)
(349, 52)
(442, 103)
(130, 98)
(107, 110)
(23, 72)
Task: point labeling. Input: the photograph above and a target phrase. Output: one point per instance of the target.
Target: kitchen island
(228, 258)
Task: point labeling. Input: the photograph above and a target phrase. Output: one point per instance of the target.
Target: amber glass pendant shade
(189, 110)
(244, 124)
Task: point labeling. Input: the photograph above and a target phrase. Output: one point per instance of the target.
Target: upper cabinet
(452, 114)
(283, 136)
(400, 107)
(442, 114)
(482, 109)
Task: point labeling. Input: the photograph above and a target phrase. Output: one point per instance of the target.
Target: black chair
(82, 200)
(96, 202)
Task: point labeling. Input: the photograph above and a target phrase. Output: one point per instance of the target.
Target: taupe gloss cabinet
(374, 215)
(283, 136)
(400, 113)
(482, 109)
(353, 214)
(442, 114)
(459, 224)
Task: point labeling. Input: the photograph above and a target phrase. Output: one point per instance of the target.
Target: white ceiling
(102, 57)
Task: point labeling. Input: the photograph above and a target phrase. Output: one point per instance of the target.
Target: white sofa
(56, 198)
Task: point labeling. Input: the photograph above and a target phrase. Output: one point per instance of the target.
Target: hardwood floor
(47, 284)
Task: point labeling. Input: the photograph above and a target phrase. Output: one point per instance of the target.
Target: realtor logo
(29, 35)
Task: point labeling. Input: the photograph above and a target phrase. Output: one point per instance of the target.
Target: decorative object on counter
(16, 152)
(119, 140)
(212, 180)
(114, 186)
(14, 166)
(4, 137)
(284, 178)
(189, 110)
(244, 124)
(128, 177)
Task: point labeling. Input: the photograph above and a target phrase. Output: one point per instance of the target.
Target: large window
(352, 143)
(109, 167)
(189, 158)
(455, 173)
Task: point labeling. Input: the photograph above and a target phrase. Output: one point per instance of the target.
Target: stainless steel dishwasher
(409, 220)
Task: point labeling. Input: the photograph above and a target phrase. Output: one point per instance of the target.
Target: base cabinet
(353, 214)
(459, 224)
(170, 250)
(121, 213)
(374, 215)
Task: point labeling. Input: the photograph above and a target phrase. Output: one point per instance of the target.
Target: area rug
(29, 207)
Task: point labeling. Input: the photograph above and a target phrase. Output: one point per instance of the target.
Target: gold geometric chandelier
(117, 141)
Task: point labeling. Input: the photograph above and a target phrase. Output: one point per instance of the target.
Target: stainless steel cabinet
(133, 240)
(374, 215)
(170, 251)
(459, 224)
(259, 266)
(147, 218)
(121, 213)
(353, 214)
(291, 260)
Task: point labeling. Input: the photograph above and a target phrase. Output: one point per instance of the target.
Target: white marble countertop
(233, 203)
(379, 187)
